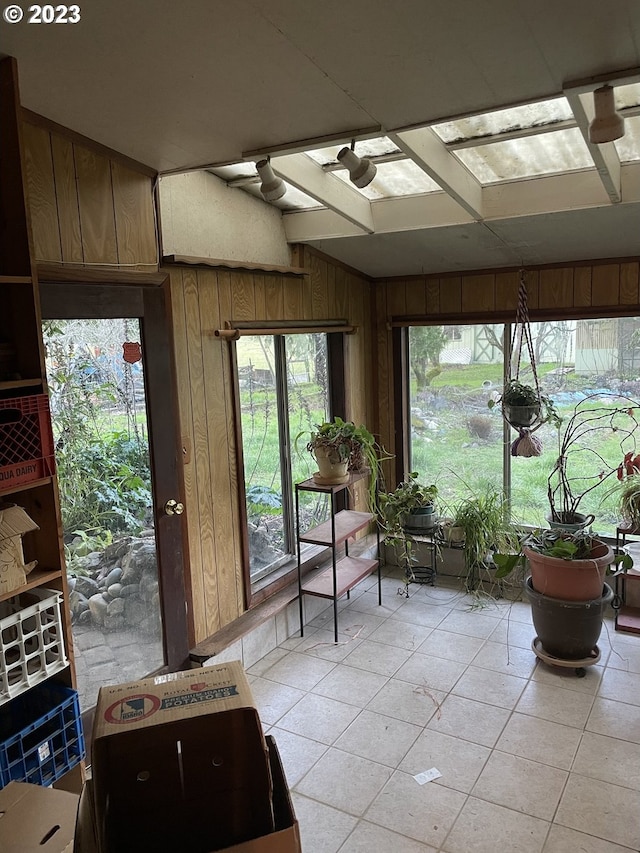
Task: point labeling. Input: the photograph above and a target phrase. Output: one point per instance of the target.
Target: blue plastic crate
(40, 735)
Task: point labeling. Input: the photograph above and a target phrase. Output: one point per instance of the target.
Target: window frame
(257, 591)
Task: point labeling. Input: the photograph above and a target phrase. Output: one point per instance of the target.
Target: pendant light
(272, 187)
(607, 123)
(361, 170)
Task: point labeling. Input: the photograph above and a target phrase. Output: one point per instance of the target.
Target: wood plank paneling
(342, 294)
(479, 293)
(274, 296)
(416, 297)
(134, 215)
(67, 200)
(605, 284)
(41, 191)
(259, 296)
(319, 296)
(556, 288)
(451, 295)
(582, 286)
(296, 291)
(629, 283)
(243, 305)
(396, 298)
(95, 202)
(433, 296)
(507, 284)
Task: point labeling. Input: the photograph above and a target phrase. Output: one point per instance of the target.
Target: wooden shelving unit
(345, 571)
(23, 375)
(627, 617)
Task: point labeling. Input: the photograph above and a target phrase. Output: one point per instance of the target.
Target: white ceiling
(182, 85)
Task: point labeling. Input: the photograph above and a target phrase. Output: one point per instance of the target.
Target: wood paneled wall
(202, 300)
(591, 289)
(86, 207)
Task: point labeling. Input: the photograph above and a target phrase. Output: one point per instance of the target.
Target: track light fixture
(361, 170)
(272, 187)
(607, 124)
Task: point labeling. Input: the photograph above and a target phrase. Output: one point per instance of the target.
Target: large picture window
(459, 443)
(284, 393)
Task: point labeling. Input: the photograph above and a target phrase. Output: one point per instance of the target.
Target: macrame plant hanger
(526, 444)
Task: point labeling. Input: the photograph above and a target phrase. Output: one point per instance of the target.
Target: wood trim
(575, 312)
(399, 345)
(48, 124)
(99, 275)
(216, 263)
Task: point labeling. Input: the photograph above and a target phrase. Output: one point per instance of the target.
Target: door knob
(173, 507)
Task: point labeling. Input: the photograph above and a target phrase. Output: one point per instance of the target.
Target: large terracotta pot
(570, 580)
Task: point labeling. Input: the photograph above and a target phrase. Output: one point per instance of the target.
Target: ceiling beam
(428, 151)
(604, 156)
(547, 194)
(309, 177)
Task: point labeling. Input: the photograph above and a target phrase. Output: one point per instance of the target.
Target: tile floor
(532, 758)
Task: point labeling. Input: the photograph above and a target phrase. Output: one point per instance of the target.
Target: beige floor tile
(564, 840)
(296, 670)
(520, 784)
(321, 644)
(470, 623)
(350, 622)
(516, 611)
(626, 658)
(598, 808)
(319, 718)
(495, 688)
(459, 761)
(540, 740)
(377, 657)
(344, 781)
(322, 828)
(369, 838)
(408, 702)
(555, 704)
(423, 812)
(431, 672)
(265, 663)
(616, 719)
(501, 657)
(420, 612)
(609, 759)
(403, 635)
(488, 828)
(351, 685)
(620, 686)
(298, 753)
(450, 646)
(273, 699)
(379, 738)
(513, 634)
(474, 721)
(368, 603)
(566, 677)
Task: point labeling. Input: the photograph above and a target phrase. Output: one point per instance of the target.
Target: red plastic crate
(26, 440)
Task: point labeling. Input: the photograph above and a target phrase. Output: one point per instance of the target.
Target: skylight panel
(398, 178)
(627, 96)
(628, 147)
(539, 115)
(377, 147)
(513, 159)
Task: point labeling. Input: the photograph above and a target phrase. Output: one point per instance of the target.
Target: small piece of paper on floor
(427, 776)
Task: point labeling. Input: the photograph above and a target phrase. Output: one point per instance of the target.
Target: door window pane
(284, 393)
(102, 457)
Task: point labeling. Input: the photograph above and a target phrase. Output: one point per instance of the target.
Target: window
(283, 393)
(459, 443)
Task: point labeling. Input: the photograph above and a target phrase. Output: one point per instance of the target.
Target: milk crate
(31, 640)
(26, 440)
(40, 735)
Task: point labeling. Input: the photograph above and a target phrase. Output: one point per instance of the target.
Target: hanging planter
(524, 407)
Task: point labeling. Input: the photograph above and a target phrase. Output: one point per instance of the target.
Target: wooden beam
(604, 156)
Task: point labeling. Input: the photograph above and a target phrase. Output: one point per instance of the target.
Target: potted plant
(482, 519)
(410, 508)
(566, 589)
(523, 405)
(568, 484)
(340, 448)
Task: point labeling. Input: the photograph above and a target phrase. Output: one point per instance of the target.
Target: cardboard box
(180, 757)
(14, 523)
(284, 839)
(36, 820)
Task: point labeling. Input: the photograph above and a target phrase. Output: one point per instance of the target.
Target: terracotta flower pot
(570, 580)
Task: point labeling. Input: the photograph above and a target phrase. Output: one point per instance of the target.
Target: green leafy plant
(483, 518)
(629, 500)
(518, 394)
(562, 544)
(394, 507)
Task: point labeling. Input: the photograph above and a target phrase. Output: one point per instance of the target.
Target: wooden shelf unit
(344, 572)
(627, 617)
(23, 373)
